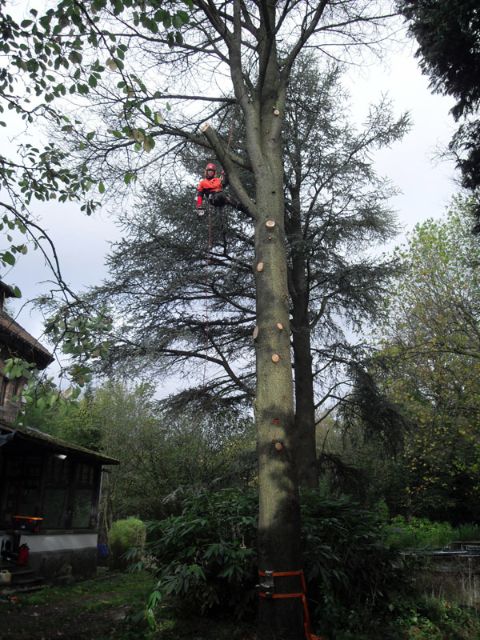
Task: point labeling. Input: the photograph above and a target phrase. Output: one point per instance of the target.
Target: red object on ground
(23, 554)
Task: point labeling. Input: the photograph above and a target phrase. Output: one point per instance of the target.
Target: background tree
(336, 208)
(37, 54)
(363, 441)
(448, 34)
(429, 366)
(161, 451)
(165, 452)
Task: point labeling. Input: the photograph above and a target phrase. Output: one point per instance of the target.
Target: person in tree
(211, 188)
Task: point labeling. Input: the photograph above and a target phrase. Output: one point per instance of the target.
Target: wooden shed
(49, 488)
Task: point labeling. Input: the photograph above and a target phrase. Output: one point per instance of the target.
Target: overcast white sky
(425, 182)
(426, 186)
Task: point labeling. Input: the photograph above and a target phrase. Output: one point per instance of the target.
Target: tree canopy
(429, 366)
(198, 305)
(448, 34)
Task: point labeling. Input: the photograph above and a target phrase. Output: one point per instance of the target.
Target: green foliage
(53, 53)
(354, 579)
(206, 555)
(157, 446)
(43, 403)
(206, 558)
(123, 536)
(433, 619)
(30, 81)
(360, 455)
(84, 338)
(167, 449)
(418, 533)
(448, 34)
(467, 532)
(62, 414)
(17, 368)
(46, 44)
(40, 398)
(429, 364)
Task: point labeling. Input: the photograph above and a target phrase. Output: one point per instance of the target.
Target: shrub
(354, 579)
(467, 532)
(123, 537)
(434, 619)
(207, 558)
(207, 554)
(418, 533)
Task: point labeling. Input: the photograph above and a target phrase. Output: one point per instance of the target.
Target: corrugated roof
(31, 347)
(56, 444)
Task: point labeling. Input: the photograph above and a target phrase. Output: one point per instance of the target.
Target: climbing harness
(267, 590)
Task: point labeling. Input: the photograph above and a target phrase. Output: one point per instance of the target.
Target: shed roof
(6, 290)
(28, 347)
(34, 436)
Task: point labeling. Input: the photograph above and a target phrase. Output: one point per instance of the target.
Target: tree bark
(279, 547)
(279, 528)
(305, 443)
(279, 513)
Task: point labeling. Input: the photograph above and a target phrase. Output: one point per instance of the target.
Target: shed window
(23, 482)
(84, 496)
(55, 497)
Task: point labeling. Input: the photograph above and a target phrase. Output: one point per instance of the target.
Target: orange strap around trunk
(282, 596)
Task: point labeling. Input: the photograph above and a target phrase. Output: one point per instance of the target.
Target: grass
(109, 607)
(105, 608)
(104, 591)
(421, 533)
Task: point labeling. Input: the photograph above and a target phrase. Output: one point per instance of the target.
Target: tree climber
(212, 187)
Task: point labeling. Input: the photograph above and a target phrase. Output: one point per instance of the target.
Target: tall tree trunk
(279, 513)
(279, 529)
(279, 548)
(305, 443)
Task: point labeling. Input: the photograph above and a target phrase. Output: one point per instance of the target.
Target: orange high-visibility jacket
(206, 186)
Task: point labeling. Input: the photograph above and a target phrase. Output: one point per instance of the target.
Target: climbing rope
(208, 261)
(207, 279)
